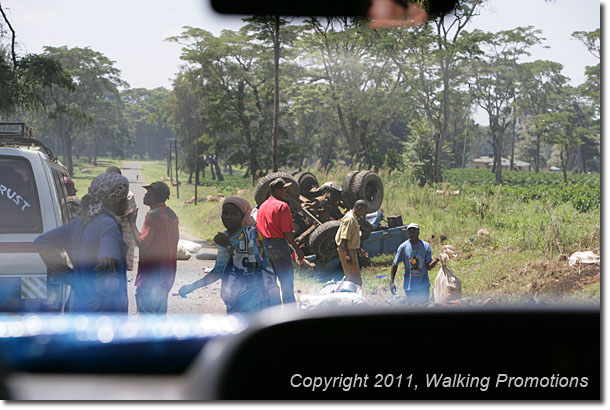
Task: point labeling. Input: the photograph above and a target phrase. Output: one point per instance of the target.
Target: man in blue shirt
(94, 242)
(416, 255)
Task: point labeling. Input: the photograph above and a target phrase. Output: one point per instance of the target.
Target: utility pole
(177, 182)
(276, 92)
(168, 164)
(169, 161)
(196, 168)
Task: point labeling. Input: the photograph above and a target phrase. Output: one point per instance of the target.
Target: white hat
(413, 225)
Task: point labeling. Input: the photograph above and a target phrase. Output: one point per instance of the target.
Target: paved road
(206, 300)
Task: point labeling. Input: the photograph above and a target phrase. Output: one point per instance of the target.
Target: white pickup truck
(32, 201)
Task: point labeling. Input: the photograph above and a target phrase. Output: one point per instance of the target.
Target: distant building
(487, 161)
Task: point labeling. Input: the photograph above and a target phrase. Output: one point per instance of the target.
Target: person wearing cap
(128, 236)
(274, 222)
(348, 242)
(416, 255)
(158, 244)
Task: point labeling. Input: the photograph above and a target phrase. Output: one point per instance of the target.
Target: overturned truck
(317, 209)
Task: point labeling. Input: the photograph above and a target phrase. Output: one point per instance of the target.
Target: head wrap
(107, 186)
(245, 208)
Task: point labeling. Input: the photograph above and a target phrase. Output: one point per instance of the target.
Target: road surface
(205, 300)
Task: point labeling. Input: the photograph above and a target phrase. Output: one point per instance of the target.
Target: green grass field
(83, 179)
(523, 255)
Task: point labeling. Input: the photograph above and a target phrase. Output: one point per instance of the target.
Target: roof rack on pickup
(16, 129)
(18, 134)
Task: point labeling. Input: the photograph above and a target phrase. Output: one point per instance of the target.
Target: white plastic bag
(446, 286)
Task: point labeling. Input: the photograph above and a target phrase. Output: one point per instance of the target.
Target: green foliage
(26, 86)
(144, 112)
(582, 191)
(419, 152)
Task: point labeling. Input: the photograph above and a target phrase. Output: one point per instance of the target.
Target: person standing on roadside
(128, 237)
(158, 244)
(94, 243)
(416, 255)
(274, 222)
(348, 242)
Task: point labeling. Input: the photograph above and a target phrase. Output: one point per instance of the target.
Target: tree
(566, 127)
(25, 82)
(495, 79)
(590, 90)
(70, 112)
(540, 82)
(353, 65)
(449, 44)
(186, 110)
(146, 117)
(234, 71)
(268, 29)
(419, 152)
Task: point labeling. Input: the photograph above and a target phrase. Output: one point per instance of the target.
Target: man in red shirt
(274, 222)
(158, 244)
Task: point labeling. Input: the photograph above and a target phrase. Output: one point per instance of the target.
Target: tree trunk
(438, 176)
(190, 181)
(218, 172)
(276, 92)
(537, 159)
(350, 141)
(583, 161)
(512, 151)
(95, 149)
(498, 155)
(564, 166)
(230, 170)
(67, 142)
(212, 169)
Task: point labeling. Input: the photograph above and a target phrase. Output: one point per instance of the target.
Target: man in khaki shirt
(348, 241)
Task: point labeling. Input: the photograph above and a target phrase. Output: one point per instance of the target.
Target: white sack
(190, 246)
(446, 286)
(587, 258)
(183, 254)
(332, 301)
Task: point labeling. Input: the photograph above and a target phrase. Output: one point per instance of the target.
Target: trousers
(279, 255)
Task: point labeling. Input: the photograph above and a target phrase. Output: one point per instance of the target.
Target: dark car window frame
(62, 193)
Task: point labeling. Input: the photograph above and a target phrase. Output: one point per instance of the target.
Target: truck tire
(307, 181)
(365, 228)
(262, 191)
(368, 186)
(346, 193)
(322, 241)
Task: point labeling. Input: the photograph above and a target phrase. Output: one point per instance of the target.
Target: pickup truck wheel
(348, 197)
(262, 191)
(307, 181)
(322, 241)
(368, 186)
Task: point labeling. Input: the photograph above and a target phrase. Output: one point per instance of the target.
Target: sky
(132, 33)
